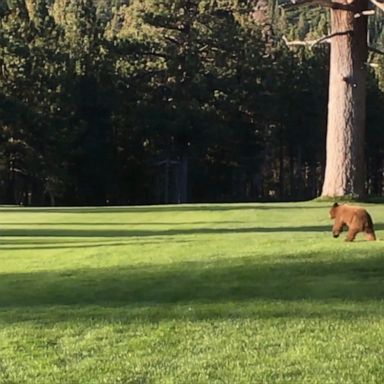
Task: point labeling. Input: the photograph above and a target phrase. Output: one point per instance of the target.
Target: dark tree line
(133, 102)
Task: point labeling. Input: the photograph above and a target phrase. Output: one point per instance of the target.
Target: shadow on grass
(76, 245)
(222, 281)
(98, 232)
(165, 208)
(59, 232)
(127, 223)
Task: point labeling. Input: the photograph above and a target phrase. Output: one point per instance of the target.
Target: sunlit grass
(243, 293)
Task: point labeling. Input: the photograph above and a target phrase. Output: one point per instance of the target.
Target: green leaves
(103, 91)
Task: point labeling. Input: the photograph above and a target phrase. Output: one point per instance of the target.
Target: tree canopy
(133, 102)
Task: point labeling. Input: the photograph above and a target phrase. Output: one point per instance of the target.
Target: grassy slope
(189, 294)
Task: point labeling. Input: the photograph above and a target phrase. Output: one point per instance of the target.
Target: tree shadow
(229, 280)
(47, 238)
(95, 232)
(114, 224)
(35, 245)
(165, 208)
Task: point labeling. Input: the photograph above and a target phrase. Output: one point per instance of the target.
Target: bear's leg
(370, 234)
(337, 228)
(351, 234)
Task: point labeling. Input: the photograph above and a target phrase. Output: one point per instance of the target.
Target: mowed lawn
(240, 293)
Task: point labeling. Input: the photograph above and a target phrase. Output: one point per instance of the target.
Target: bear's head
(332, 212)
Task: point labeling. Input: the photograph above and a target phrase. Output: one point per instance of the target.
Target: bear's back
(353, 214)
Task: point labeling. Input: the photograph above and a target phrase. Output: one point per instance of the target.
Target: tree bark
(345, 164)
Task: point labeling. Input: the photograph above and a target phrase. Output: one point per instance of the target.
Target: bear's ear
(335, 205)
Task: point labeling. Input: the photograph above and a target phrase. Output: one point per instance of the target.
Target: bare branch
(327, 38)
(172, 40)
(324, 3)
(368, 12)
(378, 4)
(376, 50)
(298, 42)
(312, 43)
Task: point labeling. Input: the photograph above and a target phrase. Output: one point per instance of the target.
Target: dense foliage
(130, 102)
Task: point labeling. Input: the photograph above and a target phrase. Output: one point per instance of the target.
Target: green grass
(243, 293)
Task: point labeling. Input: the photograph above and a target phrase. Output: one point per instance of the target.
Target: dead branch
(368, 12)
(376, 50)
(324, 3)
(378, 4)
(297, 42)
(329, 37)
(312, 43)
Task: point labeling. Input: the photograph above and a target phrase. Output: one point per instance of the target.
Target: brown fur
(357, 219)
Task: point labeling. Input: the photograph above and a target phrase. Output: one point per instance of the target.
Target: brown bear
(357, 219)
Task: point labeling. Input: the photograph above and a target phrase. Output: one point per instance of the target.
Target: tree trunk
(345, 164)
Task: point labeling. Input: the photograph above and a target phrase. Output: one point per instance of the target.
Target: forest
(155, 101)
